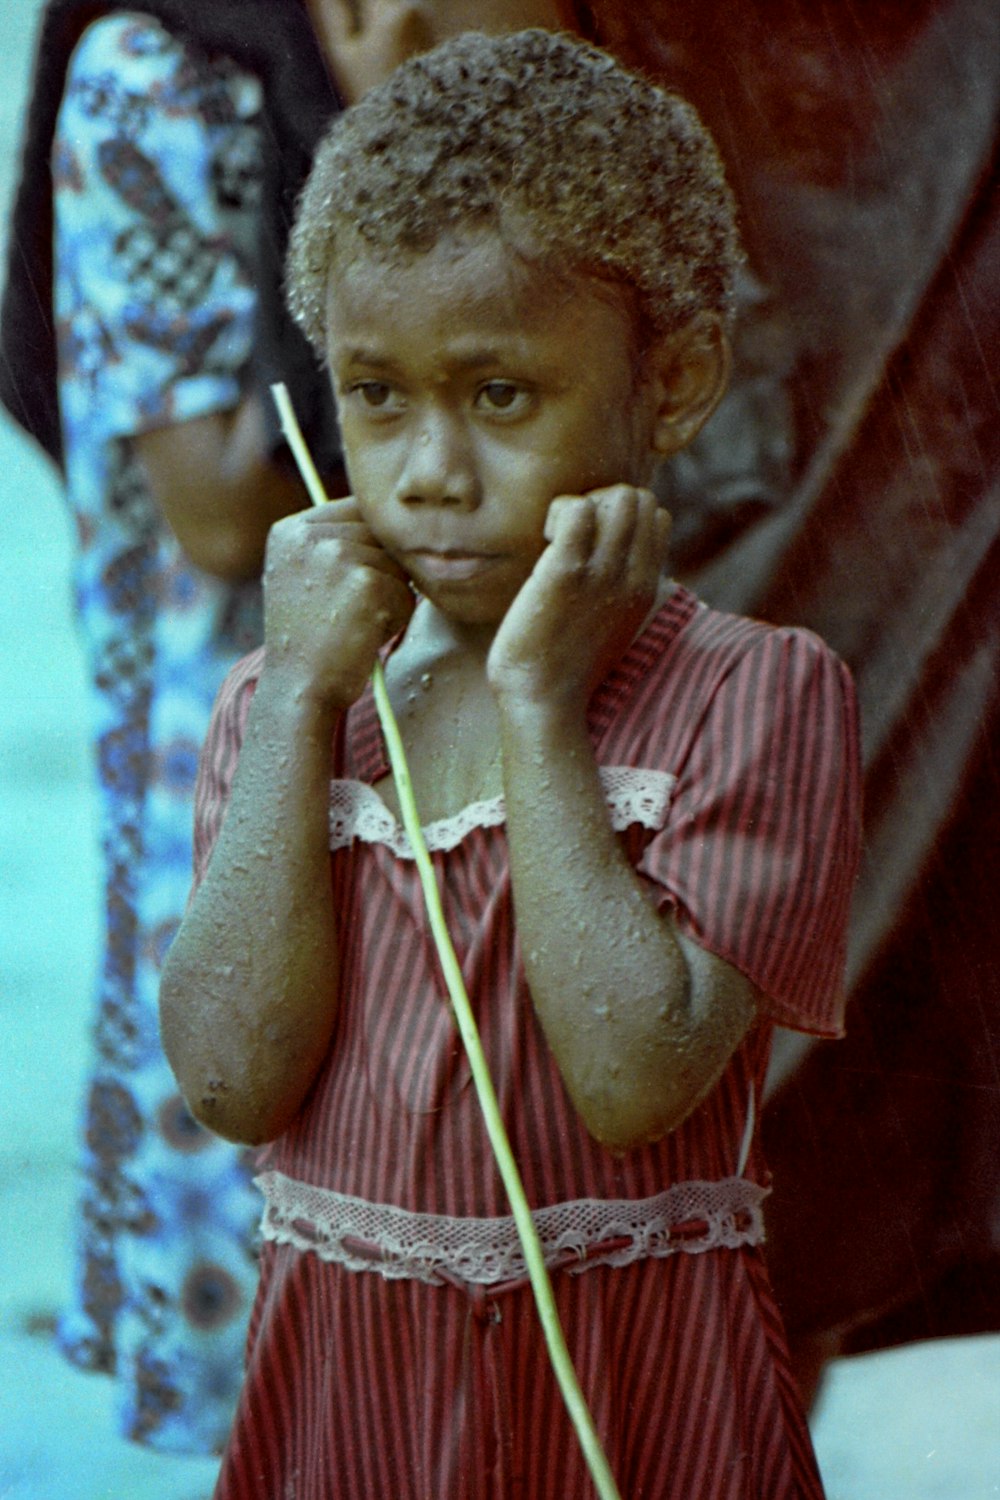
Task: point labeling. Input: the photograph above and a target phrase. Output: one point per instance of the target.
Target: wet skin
(469, 420)
(498, 431)
(473, 390)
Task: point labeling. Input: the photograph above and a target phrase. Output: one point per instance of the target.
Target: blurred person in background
(142, 326)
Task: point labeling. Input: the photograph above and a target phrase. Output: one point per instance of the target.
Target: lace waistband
(434, 1248)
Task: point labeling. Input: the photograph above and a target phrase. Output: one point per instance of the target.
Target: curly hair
(611, 175)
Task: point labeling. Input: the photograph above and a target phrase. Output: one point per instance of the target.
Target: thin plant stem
(293, 433)
(534, 1257)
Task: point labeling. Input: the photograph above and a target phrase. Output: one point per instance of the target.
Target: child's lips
(452, 566)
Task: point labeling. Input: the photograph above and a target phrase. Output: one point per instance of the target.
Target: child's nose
(440, 467)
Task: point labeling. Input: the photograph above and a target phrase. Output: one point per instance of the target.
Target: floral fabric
(156, 165)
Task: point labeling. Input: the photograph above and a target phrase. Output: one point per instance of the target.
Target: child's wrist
(296, 697)
(536, 694)
(542, 714)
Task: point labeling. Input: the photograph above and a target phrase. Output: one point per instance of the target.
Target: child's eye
(377, 395)
(504, 397)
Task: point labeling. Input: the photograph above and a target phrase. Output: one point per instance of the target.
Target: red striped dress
(394, 1348)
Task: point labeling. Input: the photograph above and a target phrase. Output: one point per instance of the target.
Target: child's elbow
(221, 1101)
(622, 1121)
(215, 1093)
(234, 1094)
(232, 1116)
(626, 1106)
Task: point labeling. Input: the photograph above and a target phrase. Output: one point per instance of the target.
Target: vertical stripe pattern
(359, 1386)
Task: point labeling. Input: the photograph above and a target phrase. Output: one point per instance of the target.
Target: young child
(517, 260)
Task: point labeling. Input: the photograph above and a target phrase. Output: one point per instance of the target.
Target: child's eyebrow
(460, 361)
(368, 357)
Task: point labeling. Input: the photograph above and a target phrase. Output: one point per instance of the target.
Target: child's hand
(587, 596)
(332, 597)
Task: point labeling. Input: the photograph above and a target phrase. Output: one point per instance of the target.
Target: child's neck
(447, 715)
(437, 684)
(436, 635)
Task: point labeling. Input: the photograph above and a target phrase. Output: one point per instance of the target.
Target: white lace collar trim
(634, 794)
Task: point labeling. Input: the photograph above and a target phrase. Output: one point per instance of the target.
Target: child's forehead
(471, 262)
(471, 290)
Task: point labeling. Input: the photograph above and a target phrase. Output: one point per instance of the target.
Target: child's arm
(640, 1019)
(218, 487)
(249, 992)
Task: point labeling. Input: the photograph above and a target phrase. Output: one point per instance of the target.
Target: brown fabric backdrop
(851, 483)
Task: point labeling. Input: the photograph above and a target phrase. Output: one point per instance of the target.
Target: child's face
(473, 389)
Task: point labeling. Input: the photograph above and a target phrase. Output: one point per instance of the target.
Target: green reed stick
(534, 1256)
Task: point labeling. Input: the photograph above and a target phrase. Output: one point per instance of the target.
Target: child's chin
(467, 606)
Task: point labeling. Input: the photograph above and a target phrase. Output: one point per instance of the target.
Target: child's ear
(688, 373)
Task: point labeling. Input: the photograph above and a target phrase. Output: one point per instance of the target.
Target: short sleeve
(156, 171)
(220, 756)
(759, 852)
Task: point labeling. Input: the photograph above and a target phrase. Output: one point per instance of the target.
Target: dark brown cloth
(853, 485)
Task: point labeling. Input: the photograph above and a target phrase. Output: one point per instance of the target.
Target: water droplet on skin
(426, 679)
(602, 1012)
